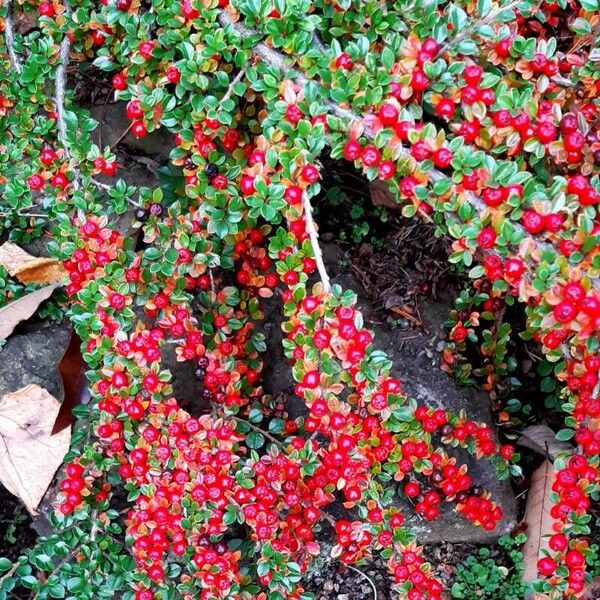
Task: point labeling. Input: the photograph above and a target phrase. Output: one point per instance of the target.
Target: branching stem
(314, 242)
(237, 79)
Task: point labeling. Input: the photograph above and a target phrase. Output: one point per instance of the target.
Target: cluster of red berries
(569, 485)
(411, 576)
(101, 247)
(572, 302)
(72, 486)
(511, 269)
(480, 511)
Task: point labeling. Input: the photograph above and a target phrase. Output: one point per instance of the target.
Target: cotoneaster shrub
(482, 117)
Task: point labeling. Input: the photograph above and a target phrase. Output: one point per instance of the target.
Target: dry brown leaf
(30, 269)
(538, 519)
(382, 196)
(20, 310)
(541, 439)
(592, 590)
(29, 454)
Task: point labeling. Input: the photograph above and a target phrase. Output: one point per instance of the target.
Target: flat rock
(416, 364)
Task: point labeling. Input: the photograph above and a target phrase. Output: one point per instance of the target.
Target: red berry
(371, 156)
(173, 75)
(412, 489)
(546, 566)
(386, 169)
(574, 141)
(533, 221)
(293, 194)
(486, 238)
(564, 312)
(310, 174)
(442, 158)
(247, 185)
(388, 114)
(46, 9)
(352, 150)
(419, 82)
(138, 129)
(343, 61)
(473, 74)
(119, 82)
(503, 48)
(445, 108)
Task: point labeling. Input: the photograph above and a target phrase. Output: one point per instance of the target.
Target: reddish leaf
(71, 368)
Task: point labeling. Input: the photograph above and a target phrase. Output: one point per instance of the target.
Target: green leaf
(564, 435)
(5, 564)
(255, 440)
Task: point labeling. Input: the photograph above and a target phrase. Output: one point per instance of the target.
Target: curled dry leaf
(30, 269)
(538, 519)
(541, 439)
(23, 308)
(76, 392)
(29, 454)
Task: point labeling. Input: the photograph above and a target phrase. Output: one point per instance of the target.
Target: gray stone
(416, 364)
(32, 354)
(113, 122)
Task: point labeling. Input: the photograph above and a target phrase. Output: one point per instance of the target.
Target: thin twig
(22, 214)
(10, 40)
(122, 136)
(61, 81)
(366, 577)
(107, 187)
(212, 281)
(10, 572)
(95, 526)
(64, 560)
(318, 43)
(229, 91)
(258, 429)
(99, 184)
(314, 242)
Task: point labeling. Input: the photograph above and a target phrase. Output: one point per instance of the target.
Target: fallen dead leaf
(541, 439)
(29, 454)
(538, 519)
(382, 196)
(592, 590)
(76, 392)
(20, 310)
(30, 269)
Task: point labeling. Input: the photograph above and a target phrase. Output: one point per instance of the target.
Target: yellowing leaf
(30, 269)
(20, 310)
(29, 454)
